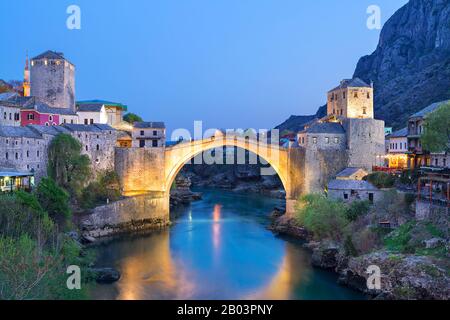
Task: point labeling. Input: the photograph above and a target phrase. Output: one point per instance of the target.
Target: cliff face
(411, 66)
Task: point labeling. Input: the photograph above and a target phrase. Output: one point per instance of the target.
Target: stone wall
(9, 116)
(351, 102)
(130, 214)
(140, 169)
(365, 142)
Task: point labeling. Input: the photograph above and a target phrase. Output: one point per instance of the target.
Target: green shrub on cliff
(105, 188)
(324, 217)
(381, 179)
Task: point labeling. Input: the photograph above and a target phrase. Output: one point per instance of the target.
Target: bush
(53, 199)
(381, 179)
(398, 240)
(106, 187)
(324, 217)
(357, 209)
(131, 118)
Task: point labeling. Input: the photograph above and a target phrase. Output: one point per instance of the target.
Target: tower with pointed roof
(353, 98)
(53, 79)
(26, 79)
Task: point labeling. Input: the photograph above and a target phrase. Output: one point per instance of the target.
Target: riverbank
(422, 274)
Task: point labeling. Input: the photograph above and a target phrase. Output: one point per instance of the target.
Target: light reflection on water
(218, 248)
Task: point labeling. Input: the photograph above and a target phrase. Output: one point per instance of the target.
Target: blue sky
(229, 63)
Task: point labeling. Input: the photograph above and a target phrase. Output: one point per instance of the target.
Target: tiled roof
(429, 109)
(87, 128)
(347, 172)
(351, 185)
(326, 127)
(146, 125)
(35, 103)
(50, 130)
(18, 132)
(399, 133)
(101, 103)
(352, 83)
(89, 107)
(8, 95)
(50, 55)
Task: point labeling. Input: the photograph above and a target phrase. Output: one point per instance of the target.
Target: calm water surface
(217, 248)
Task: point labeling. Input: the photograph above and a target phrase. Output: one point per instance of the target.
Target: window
(141, 143)
(343, 94)
(303, 139)
(336, 140)
(355, 95)
(155, 133)
(314, 140)
(71, 121)
(436, 162)
(327, 140)
(64, 121)
(92, 121)
(6, 155)
(345, 196)
(342, 112)
(154, 143)
(368, 95)
(142, 132)
(10, 116)
(4, 115)
(28, 154)
(37, 153)
(364, 110)
(85, 121)
(371, 197)
(50, 118)
(98, 147)
(17, 156)
(87, 148)
(17, 116)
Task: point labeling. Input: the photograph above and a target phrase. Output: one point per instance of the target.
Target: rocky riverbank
(403, 276)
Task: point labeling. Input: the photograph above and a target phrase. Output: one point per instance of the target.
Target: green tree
(106, 187)
(66, 165)
(131, 118)
(357, 209)
(436, 135)
(324, 217)
(380, 179)
(53, 199)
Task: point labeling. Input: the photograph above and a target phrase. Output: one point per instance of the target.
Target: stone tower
(53, 79)
(353, 98)
(26, 79)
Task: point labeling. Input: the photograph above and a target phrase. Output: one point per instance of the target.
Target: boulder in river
(106, 275)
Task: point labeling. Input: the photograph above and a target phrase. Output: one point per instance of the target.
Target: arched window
(98, 147)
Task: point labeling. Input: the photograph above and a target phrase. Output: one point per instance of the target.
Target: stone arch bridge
(151, 171)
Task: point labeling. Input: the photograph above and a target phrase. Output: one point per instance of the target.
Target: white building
(397, 149)
(148, 134)
(100, 112)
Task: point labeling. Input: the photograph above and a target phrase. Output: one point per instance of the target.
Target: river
(217, 248)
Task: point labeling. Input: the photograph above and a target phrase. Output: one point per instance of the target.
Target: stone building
(417, 156)
(351, 174)
(353, 98)
(148, 134)
(26, 148)
(9, 111)
(353, 190)
(397, 147)
(53, 79)
(98, 142)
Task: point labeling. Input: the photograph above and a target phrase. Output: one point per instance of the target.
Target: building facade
(397, 149)
(417, 156)
(148, 135)
(53, 79)
(353, 98)
(100, 111)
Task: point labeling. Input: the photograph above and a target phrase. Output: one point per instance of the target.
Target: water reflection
(219, 249)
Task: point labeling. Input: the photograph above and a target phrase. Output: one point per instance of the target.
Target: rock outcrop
(410, 67)
(402, 276)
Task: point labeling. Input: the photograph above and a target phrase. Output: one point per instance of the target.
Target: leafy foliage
(381, 179)
(66, 165)
(325, 218)
(131, 118)
(436, 137)
(357, 209)
(106, 187)
(54, 200)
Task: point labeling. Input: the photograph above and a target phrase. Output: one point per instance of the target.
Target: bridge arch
(176, 157)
